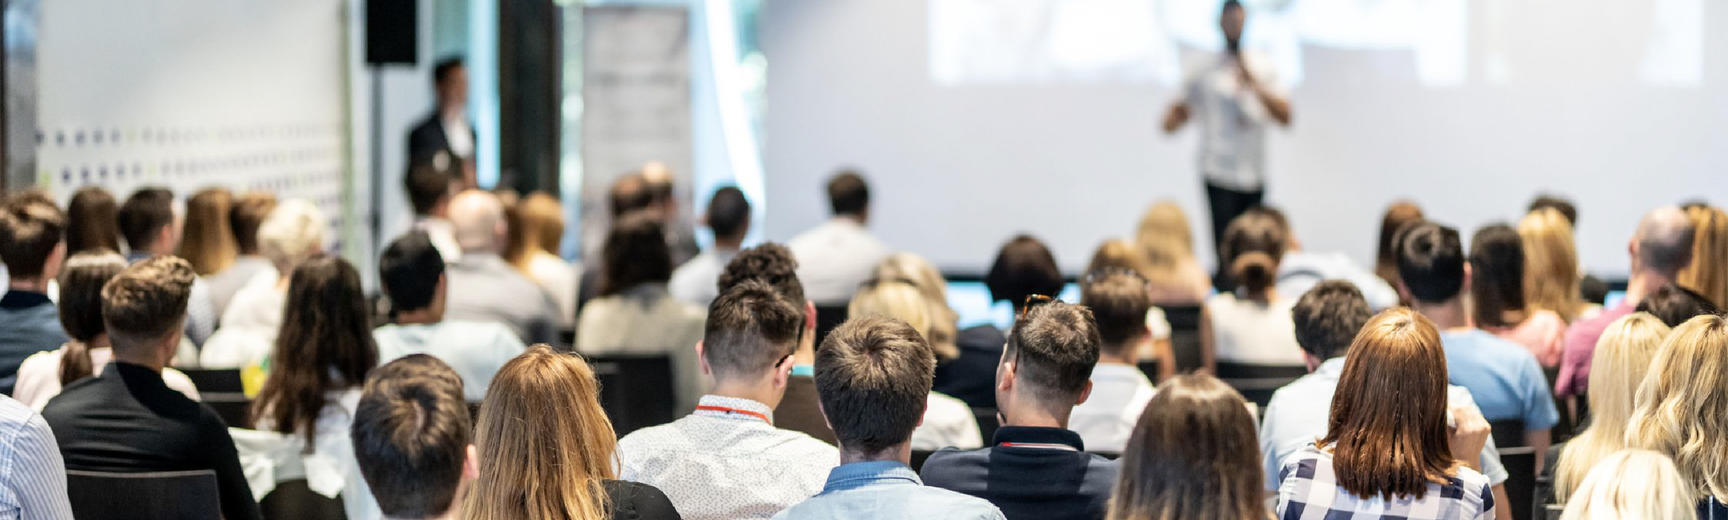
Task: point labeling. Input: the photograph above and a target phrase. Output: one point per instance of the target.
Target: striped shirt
(1310, 491)
(32, 475)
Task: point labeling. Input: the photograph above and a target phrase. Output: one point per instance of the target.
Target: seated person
(151, 226)
(947, 422)
(634, 314)
(293, 232)
(32, 245)
(1037, 468)
(1023, 267)
(411, 273)
(772, 264)
(1192, 456)
(835, 257)
(127, 419)
(1300, 269)
(1120, 391)
(413, 438)
(729, 218)
(1497, 292)
(1251, 325)
(727, 460)
(1674, 305)
(874, 374)
(486, 287)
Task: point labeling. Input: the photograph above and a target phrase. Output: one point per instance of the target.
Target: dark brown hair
(629, 194)
(1119, 301)
(1398, 216)
(90, 221)
(81, 307)
(31, 226)
(635, 253)
(146, 301)
(1497, 274)
(1193, 455)
(411, 433)
(750, 327)
(1054, 347)
(1253, 245)
(1674, 305)
(1431, 262)
(1328, 316)
(848, 194)
(244, 218)
(207, 242)
(873, 375)
(426, 185)
(1387, 430)
(325, 343)
(143, 215)
(770, 263)
(1023, 267)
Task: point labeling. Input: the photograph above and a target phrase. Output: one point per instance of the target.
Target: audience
(43, 374)
(1551, 275)
(1398, 216)
(874, 374)
(411, 274)
(1660, 248)
(127, 419)
(1622, 355)
(412, 439)
(1682, 408)
(1504, 378)
(535, 464)
(1251, 325)
(492, 290)
(294, 232)
(1118, 300)
(635, 314)
(1192, 457)
(946, 421)
(729, 218)
(1119, 255)
(772, 264)
(1674, 305)
(1497, 291)
(1037, 467)
(535, 251)
(1392, 458)
(91, 224)
(835, 257)
(1023, 267)
(429, 189)
(32, 246)
(1176, 276)
(1639, 484)
(1300, 270)
(1708, 272)
(151, 227)
(207, 242)
(244, 218)
(726, 460)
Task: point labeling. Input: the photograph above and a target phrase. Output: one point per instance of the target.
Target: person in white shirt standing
(446, 138)
(729, 217)
(1119, 300)
(1235, 96)
(835, 257)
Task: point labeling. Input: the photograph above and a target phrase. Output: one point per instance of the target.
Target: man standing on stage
(1235, 99)
(446, 139)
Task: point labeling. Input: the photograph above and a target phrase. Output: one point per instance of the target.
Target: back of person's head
(751, 328)
(873, 376)
(635, 253)
(1328, 317)
(563, 457)
(1496, 275)
(1708, 271)
(1118, 254)
(848, 194)
(1119, 302)
(914, 269)
(1054, 347)
(206, 241)
(31, 231)
(1193, 455)
(146, 303)
(1431, 262)
(1682, 404)
(408, 272)
(900, 300)
(246, 216)
(1640, 484)
(427, 186)
(477, 220)
(91, 221)
(1023, 267)
(540, 218)
(294, 231)
(769, 263)
(411, 432)
(1253, 245)
(1663, 243)
(324, 344)
(1558, 204)
(1550, 263)
(729, 214)
(1166, 239)
(1398, 216)
(629, 193)
(1622, 355)
(1391, 447)
(143, 216)
(80, 307)
(1674, 304)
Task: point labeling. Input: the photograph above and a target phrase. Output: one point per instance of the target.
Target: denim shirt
(886, 489)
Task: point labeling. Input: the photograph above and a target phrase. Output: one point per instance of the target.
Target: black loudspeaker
(390, 32)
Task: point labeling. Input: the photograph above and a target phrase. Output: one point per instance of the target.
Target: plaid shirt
(1310, 492)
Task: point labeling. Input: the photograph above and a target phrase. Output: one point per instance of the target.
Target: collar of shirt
(1038, 437)
(1331, 369)
(1119, 371)
(870, 474)
(733, 408)
(21, 299)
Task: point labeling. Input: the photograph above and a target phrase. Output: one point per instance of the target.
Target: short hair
(146, 301)
(1328, 317)
(143, 215)
(769, 263)
(1674, 304)
(635, 253)
(294, 231)
(629, 193)
(426, 184)
(408, 271)
(873, 377)
(1431, 262)
(444, 68)
(1119, 301)
(1664, 239)
(1556, 203)
(81, 285)
(411, 433)
(1230, 4)
(1023, 267)
(91, 224)
(249, 212)
(728, 212)
(1054, 347)
(31, 227)
(848, 194)
(750, 328)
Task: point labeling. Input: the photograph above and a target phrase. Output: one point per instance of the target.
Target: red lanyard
(730, 411)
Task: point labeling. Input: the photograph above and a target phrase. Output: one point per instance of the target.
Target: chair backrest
(918, 458)
(294, 500)
(176, 495)
(1508, 433)
(828, 317)
(635, 390)
(1184, 335)
(1257, 383)
(1520, 465)
(221, 389)
(987, 423)
(215, 379)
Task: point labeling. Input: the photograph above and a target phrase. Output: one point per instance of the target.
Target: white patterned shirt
(727, 461)
(1310, 491)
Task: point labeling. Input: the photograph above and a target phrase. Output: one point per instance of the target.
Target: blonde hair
(894, 298)
(545, 445)
(538, 228)
(1622, 354)
(294, 231)
(944, 322)
(1168, 242)
(1550, 263)
(206, 240)
(1119, 254)
(1708, 272)
(1682, 404)
(1632, 484)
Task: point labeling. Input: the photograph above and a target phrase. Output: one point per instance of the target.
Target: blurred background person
(1497, 295)
(446, 138)
(539, 237)
(1551, 275)
(245, 216)
(294, 232)
(728, 217)
(207, 241)
(91, 224)
(836, 256)
(1623, 356)
(635, 314)
(1708, 272)
(1397, 216)
(1176, 276)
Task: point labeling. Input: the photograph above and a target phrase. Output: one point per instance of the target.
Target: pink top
(1542, 333)
(1580, 346)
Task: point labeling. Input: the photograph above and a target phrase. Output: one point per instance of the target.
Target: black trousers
(1226, 205)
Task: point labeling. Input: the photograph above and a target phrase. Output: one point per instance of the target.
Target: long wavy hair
(1388, 424)
(206, 240)
(1550, 263)
(325, 344)
(1682, 404)
(1193, 455)
(1617, 368)
(549, 443)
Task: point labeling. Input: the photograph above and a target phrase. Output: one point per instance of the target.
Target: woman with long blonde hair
(1682, 407)
(915, 270)
(1708, 272)
(947, 421)
(1622, 354)
(1632, 485)
(1168, 241)
(535, 238)
(1550, 264)
(206, 241)
(547, 450)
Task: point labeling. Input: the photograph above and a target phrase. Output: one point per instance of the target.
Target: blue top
(886, 489)
(1030, 473)
(1502, 376)
(29, 323)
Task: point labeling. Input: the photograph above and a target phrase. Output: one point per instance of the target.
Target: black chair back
(1184, 335)
(918, 458)
(222, 391)
(293, 500)
(165, 495)
(1508, 434)
(1520, 465)
(828, 317)
(987, 423)
(636, 391)
(1257, 383)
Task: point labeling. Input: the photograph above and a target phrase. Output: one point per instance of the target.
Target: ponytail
(1255, 271)
(75, 362)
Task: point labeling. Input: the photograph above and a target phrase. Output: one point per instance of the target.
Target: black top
(634, 501)
(1544, 493)
(1710, 509)
(1030, 473)
(972, 376)
(800, 412)
(128, 421)
(427, 139)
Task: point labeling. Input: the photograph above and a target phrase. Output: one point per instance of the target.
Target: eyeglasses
(1034, 300)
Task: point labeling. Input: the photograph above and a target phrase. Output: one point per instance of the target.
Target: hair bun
(1253, 270)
